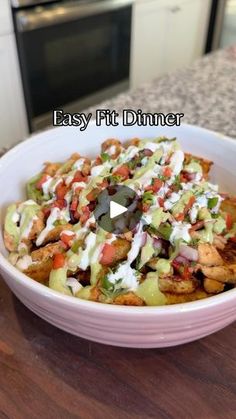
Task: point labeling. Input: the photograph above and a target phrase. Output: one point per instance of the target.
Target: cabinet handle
(175, 9)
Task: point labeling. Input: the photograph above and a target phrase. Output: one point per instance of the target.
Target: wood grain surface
(47, 373)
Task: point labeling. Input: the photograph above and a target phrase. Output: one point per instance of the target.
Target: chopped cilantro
(59, 222)
(105, 157)
(147, 197)
(212, 202)
(164, 230)
(115, 179)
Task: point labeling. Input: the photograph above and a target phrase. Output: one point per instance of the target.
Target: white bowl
(144, 327)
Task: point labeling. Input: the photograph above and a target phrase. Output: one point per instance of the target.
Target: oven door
(72, 55)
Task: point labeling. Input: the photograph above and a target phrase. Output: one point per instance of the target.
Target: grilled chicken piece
(219, 242)
(51, 168)
(46, 252)
(212, 286)
(208, 255)
(205, 164)
(37, 226)
(95, 294)
(152, 263)
(133, 142)
(112, 142)
(170, 285)
(54, 235)
(229, 206)
(65, 168)
(40, 271)
(228, 254)
(10, 242)
(122, 247)
(224, 273)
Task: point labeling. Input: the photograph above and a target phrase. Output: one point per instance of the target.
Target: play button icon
(118, 209)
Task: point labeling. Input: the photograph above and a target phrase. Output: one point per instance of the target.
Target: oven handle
(40, 17)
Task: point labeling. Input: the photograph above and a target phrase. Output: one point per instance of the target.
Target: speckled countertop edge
(205, 92)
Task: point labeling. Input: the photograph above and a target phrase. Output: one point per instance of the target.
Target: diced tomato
(67, 238)
(46, 211)
(122, 171)
(233, 239)
(186, 273)
(61, 190)
(58, 261)
(74, 204)
(176, 265)
(156, 186)
(92, 195)
(108, 253)
(60, 203)
(41, 181)
(179, 217)
(85, 214)
(182, 270)
(183, 179)
(229, 221)
(78, 177)
(161, 202)
(189, 204)
(167, 172)
(145, 207)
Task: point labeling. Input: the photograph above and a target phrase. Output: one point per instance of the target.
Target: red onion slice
(188, 252)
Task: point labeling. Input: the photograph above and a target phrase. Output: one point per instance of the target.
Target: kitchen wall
(13, 126)
(166, 35)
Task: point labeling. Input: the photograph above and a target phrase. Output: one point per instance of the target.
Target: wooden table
(46, 373)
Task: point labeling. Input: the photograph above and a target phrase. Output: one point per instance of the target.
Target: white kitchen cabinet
(166, 35)
(6, 25)
(13, 126)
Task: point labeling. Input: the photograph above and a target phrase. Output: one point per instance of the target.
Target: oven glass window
(66, 62)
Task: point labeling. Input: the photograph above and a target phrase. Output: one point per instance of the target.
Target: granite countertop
(205, 92)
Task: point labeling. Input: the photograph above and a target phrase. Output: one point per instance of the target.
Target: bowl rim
(46, 292)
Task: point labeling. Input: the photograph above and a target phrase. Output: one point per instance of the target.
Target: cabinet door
(12, 111)
(187, 29)
(148, 39)
(166, 35)
(6, 25)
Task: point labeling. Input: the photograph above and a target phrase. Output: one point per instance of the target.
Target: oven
(73, 54)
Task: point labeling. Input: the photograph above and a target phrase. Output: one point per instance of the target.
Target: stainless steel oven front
(73, 54)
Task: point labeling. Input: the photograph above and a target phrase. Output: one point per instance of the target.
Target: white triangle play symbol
(116, 209)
